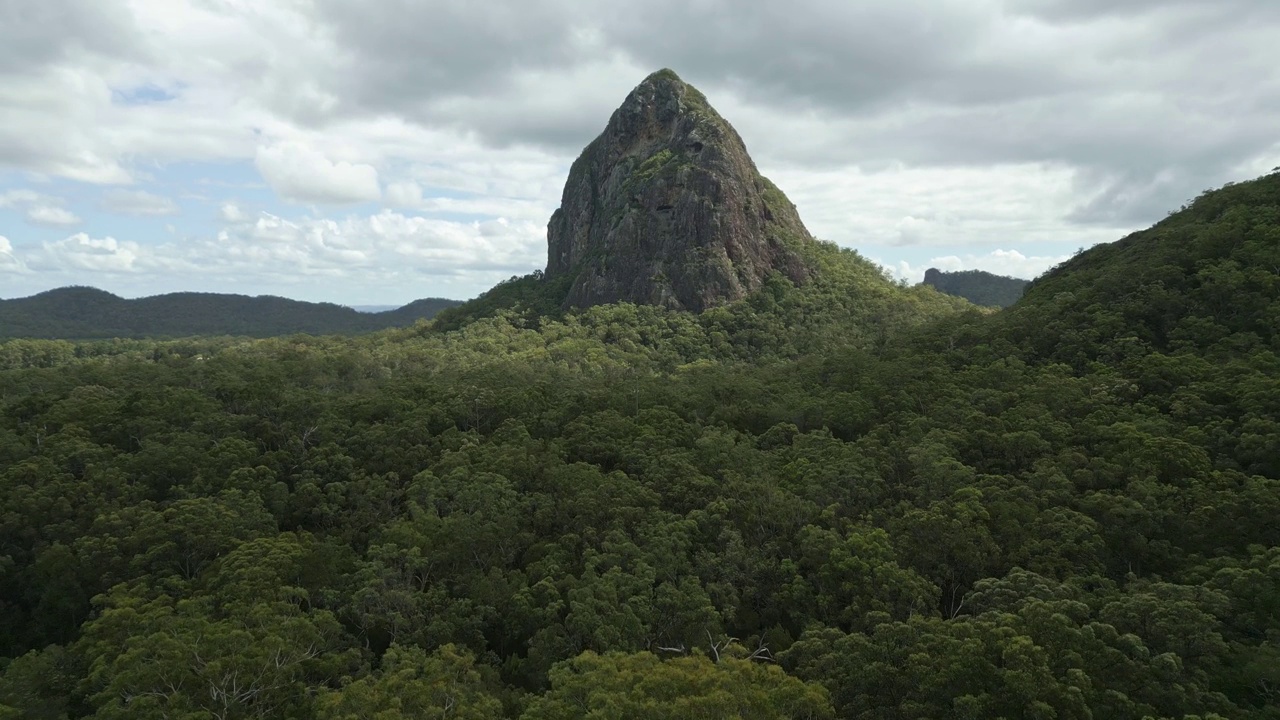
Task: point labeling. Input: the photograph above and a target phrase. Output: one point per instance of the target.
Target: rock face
(666, 208)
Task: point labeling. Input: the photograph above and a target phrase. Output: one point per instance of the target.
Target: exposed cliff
(666, 208)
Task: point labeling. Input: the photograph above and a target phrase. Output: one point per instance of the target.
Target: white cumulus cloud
(302, 174)
(52, 216)
(38, 209)
(408, 256)
(9, 261)
(1010, 263)
(404, 195)
(80, 251)
(231, 212)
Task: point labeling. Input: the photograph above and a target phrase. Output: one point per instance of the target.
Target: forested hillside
(849, 499)
(81, 313)
(977, 286)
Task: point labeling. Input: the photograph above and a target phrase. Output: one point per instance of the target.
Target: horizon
(169, 147)
(358, 306)
(355, 306)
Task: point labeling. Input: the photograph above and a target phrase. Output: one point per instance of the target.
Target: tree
(412, 684)
(640, 685)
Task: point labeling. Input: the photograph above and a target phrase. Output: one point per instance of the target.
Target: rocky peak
(666, 207)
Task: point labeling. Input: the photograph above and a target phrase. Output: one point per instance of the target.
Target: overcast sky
(378, 152)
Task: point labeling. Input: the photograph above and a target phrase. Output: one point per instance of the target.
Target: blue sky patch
(148, 94)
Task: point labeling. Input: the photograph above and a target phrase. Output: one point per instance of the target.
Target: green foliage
(899, 506)
(651, 166)
(977, 286)
(635, 686)
(414, 684)
(527, 298)
(1204, 280)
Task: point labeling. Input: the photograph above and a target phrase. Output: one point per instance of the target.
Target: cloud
(899, 208)
(1191, 10)
(912, 230)
(51, 216)
(363, 247)
(419, 53)
(39, 209)
(1010, 263)
(82, 252)
(405, 256)
(19, 198)
(138, 202)
(404, 195)
(50, 31)
(301, 174)
(9, 261)
(231, 212)
(57, 121)
(1146, 110)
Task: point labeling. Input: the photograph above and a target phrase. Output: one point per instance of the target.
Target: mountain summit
(666, 208)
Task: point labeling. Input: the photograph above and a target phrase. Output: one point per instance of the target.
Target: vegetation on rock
(977, 286)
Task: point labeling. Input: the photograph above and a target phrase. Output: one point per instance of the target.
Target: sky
(375, 153)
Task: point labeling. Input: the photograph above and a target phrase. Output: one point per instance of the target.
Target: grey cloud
(1132, 162)
(1149, 101)
(838, 56)
(439, 62)
(38, 33)
(69, 155)
(1078, 10)
(1131, 198)
(960, 88)
(1162, 98)
(410, 54)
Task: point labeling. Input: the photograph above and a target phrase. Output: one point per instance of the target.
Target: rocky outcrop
(977, 286)
(666, 208)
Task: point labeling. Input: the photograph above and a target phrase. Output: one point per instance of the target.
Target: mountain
(85, 313)
(977, 286)
(666, 208)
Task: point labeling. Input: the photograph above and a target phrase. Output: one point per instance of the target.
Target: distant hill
(977, 286)
(87, 313)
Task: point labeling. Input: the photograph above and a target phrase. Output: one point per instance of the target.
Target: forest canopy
(848, 499)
